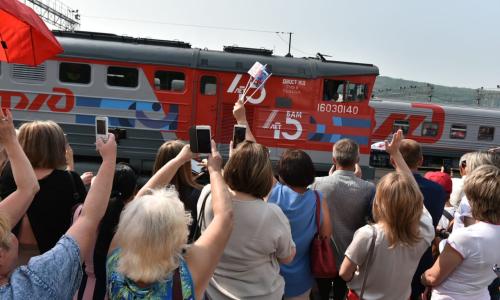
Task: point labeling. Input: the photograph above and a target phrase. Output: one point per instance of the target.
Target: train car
(445, 131)
(154, 90)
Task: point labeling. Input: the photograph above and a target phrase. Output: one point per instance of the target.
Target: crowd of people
(248, 233)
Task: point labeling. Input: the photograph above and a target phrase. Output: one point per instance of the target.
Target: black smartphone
(200, 139)
(239, 133)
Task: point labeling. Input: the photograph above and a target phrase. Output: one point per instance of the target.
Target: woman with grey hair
(463, 215)
(148, 257)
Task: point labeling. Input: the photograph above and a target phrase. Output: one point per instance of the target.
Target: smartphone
(200, 137)
(239, 133)
(101, 127)
(196, 168)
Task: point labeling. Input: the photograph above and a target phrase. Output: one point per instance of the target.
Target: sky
(447, 42)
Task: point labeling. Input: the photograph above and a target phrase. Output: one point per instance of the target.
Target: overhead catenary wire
(278, 33)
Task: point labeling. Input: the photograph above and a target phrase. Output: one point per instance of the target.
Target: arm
(446, 263)
(94, 207)
(396, 157)
(167, 172)
(288, 259)
(15, 205)
(203, 256)
(326, 225)
(239, 114)
(347, 269)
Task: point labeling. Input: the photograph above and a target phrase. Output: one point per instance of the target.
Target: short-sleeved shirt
(249, 268)
(390, 270)
(349, 201)
(51, 211)
(479, 246)
(300, 210)
(464, 210)
(56, 274)
(122, 288)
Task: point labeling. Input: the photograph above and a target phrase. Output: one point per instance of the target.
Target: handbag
(322, 256)
(352, 294)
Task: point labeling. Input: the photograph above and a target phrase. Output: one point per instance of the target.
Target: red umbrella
(24, 37)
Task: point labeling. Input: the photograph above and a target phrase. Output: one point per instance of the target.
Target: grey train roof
(120, 48)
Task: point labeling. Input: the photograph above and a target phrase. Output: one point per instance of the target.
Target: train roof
(455, 108)
(103, 46)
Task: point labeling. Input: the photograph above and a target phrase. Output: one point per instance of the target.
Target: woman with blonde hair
(49, 215)
(189, 190)
(57, 273)
(465, 267)
(148, 257)
(382, 258)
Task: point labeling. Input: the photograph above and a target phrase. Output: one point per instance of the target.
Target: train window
(401, 124)
(458, 131)
(430, 129)
(486, 133)
(74, 73)
(333, 90)
(208, 85)
(124, 77)
(170, 81)
(355, 92)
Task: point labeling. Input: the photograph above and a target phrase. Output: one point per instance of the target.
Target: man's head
(412, 153)
(463, 163)
(345, 153)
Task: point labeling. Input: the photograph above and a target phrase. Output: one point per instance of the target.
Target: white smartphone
(101, 127)
(239, 133)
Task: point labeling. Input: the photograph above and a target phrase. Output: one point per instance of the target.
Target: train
(445, 131)
(155, 90)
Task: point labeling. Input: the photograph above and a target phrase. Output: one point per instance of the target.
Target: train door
(206, 102)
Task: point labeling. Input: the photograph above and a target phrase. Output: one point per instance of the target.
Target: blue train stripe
(349, 122)
(333, 138)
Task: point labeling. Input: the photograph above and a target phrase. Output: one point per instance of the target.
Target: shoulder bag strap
(201, 216)
(447, 215)
(370, 254)
(176, 286)
(76, 195)
(318, 211)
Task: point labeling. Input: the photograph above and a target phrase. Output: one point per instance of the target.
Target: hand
(239, 112)
(357, 171)
(87, 178)
(214, 159)
(107, 150)
(185, 155)
(393, 147)
(7, 131)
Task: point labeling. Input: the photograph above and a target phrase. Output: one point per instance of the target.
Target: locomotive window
(486, 133)
(333, 90)
(123, 77)
(355, 92)
(169, 81)
(74, 73)
(458, 131)
(401, 124)
(430, 129)
(208, 85)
